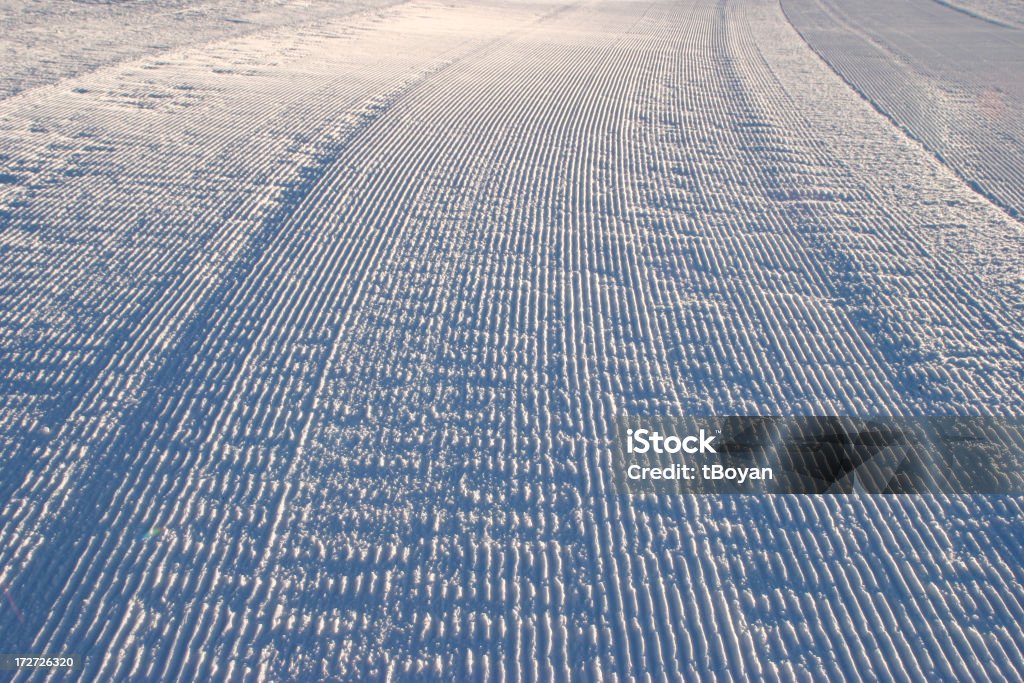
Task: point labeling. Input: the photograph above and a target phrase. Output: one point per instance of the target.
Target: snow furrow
(315, 339)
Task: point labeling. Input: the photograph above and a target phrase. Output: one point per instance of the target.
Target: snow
(345, 301)
(1009, 13)
(948, 79)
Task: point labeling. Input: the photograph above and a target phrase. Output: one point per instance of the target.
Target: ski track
(1006, 13)
(345, 308)
(949, 79)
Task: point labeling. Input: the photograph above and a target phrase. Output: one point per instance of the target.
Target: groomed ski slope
(951, 81)
(313, 337)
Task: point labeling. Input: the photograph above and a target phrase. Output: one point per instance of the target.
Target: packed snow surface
(1005, 12)
(954, 83)
(315, 319)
